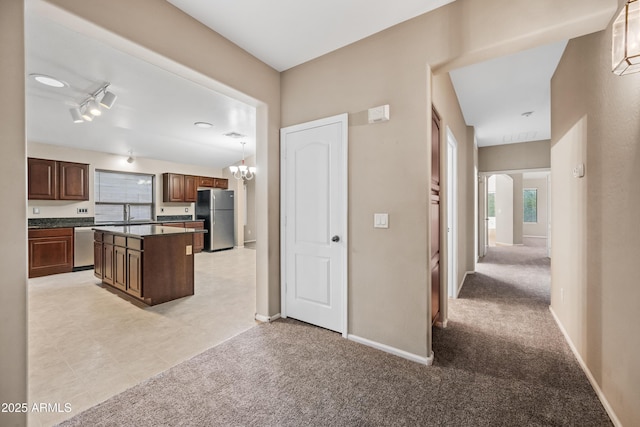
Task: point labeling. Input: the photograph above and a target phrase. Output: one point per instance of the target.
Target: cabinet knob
(335, 239)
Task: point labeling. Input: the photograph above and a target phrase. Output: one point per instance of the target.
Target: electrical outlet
(36, 211)
(186, 209)
(161, 209)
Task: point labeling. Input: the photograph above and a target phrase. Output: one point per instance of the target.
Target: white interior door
(314, 223)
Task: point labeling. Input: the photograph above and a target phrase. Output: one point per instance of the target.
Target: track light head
(76, 115)
(86, 115)
(108, 99)
(94, 108)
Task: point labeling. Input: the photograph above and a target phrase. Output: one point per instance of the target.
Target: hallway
(503, 338)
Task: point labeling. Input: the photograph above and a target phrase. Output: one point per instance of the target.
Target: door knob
(335, 239)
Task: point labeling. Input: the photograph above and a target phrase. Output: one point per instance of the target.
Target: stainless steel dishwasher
(82, 248)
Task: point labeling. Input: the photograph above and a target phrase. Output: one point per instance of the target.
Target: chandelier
(243, 171)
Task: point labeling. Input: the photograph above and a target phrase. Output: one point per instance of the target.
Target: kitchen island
(151, 263)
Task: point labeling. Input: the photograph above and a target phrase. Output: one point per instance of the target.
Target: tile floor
(87, 344)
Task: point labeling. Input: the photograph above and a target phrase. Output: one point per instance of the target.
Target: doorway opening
(452, 214)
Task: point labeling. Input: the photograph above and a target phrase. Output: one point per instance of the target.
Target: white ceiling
(286, 33)
(153, 115)
(494, 95)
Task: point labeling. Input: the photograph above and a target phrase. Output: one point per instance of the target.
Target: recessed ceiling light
(234, 135)
(203, 125)
(48, 80)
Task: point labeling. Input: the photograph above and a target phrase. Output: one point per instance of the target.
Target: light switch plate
(380, 220)
(189, 249)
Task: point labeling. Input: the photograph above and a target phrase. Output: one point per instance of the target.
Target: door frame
(342, 119)
(452, 214)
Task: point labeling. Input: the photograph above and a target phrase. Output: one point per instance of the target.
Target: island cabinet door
(134, 271)
(120, 267)
(98, 259)
(107, 266)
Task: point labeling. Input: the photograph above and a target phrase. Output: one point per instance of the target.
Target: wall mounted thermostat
(379, 114)
(578, 170)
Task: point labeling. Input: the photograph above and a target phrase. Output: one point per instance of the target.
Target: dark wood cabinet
(73, 181)
(57, 180)
(172, 187)
(50, 251)
(98, 258)
(120, 267)
(198, 238)
(209, 182)
(134, 272)
(152, 269)
(42, 179)
(222, 183)
(190, 188)
(206, 182)
(179, 188)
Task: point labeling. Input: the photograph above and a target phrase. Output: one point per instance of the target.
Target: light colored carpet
(501, 362)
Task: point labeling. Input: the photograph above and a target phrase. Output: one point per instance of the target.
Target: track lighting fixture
(90, 108)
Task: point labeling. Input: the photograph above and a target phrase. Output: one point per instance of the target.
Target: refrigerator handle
(213, 208)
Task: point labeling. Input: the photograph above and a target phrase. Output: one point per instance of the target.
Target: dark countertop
(146, 230)
(38, 223)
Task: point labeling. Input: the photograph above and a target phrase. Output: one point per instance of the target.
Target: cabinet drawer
(133, 243)
(204, 181)
(120, 241)
(50, 232)
(108, 238)
(97, 237)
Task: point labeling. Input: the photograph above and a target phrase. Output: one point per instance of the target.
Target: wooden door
(314, 185)
(98, 259)
(120, 267)
(190, 188)
(107, 265)
(134, 272)
(74, 181)
(42, 179)
(435, 216)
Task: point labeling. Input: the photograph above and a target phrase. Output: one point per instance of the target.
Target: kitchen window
(123, 196)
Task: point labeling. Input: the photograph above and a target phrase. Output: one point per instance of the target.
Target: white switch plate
(380, 220)
(578, 170)
(36, 210)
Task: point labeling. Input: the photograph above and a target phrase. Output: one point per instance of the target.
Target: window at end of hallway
(530, 198)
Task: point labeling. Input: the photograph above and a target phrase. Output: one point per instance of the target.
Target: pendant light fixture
(243, 172)
(625, 51)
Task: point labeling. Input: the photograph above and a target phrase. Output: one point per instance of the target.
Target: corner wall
(595, 233)
(13, 188)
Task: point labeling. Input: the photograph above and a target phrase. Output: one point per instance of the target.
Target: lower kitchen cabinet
(198, 238)
(150, 269)
(50, 251)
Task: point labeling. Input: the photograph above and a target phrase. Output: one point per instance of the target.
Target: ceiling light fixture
(625, 49)
(233, 135)
(90, 108)
(243, 172)
(48, 80)
(76, 115)
(203, 125)
(527, 114)
(130, 159)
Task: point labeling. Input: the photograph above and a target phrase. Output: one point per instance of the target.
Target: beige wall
(595, 232)
(514, 157)
(518, 208)
(13, 250)
(98, 160)
(388, 278)
(538, 229)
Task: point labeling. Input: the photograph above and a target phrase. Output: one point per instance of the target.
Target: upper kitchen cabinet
(179, 188)
(57, 180)
(209, 182)
(73, 181)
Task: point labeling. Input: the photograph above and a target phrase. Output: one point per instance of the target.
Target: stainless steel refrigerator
(216, 206)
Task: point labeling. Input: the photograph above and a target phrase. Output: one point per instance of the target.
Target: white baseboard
(266, 319)
(392, 350)
(535, 237)
(250, 241)
(596, 387)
